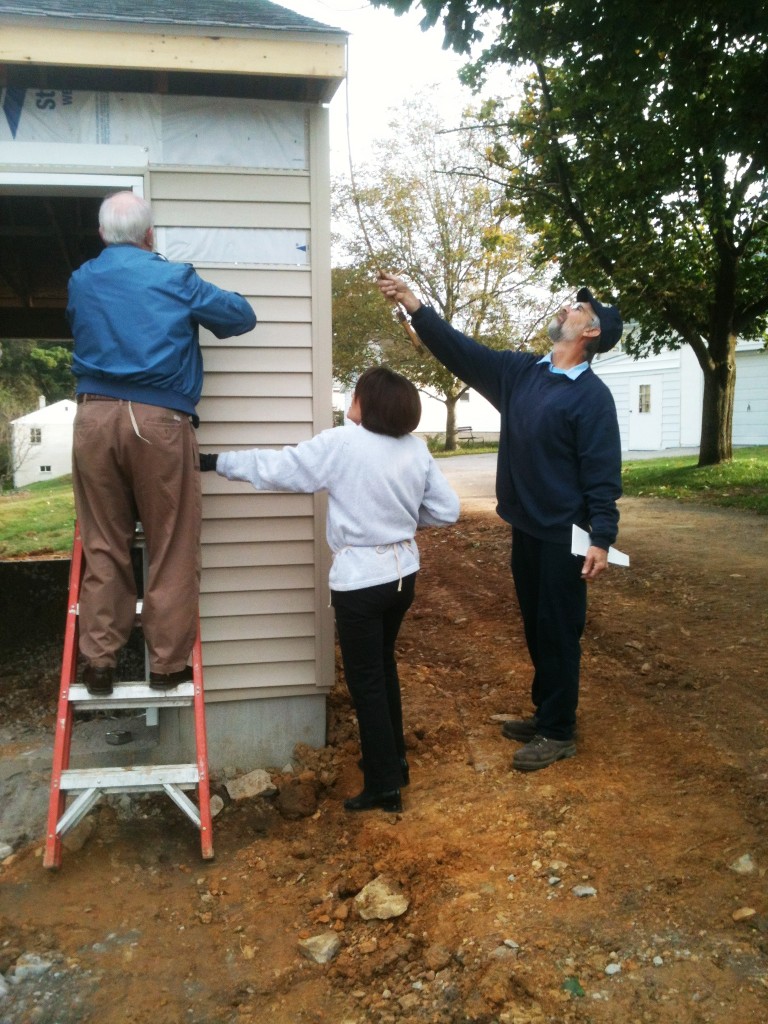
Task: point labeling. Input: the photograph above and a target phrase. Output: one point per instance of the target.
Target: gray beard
(555, 330)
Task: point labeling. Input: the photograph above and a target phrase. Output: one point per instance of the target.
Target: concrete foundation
(244, 734)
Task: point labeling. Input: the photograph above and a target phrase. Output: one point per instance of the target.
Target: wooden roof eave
(312, 56)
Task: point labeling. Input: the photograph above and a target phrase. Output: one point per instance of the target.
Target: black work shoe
(520, 728)
(167, 680)
(405, 774)
(389, 801)
(98, 681)
(541, 752)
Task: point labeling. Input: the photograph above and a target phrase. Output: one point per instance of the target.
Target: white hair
(125, 217)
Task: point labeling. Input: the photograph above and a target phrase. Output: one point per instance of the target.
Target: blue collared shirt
(572, 373)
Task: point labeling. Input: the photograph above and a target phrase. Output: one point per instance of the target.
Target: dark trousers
(367, 623)
(553, 602)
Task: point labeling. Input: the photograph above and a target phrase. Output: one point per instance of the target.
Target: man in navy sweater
(559, 464)
(135, 319)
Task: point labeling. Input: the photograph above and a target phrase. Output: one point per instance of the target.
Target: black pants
(553, 602)
(367, 623)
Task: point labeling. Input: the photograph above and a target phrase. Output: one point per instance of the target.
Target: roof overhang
(317, 58)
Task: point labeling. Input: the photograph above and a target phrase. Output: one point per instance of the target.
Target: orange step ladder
(87, 785)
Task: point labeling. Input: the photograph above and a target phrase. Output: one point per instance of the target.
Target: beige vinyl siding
(233, 215)
(265, 623)
(289, 186)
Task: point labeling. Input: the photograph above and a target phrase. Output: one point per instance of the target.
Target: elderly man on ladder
(135, 318)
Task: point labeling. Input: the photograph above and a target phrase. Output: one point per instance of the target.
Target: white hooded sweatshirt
(380, 489)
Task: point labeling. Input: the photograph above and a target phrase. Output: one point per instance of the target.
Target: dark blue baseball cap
(611, 324)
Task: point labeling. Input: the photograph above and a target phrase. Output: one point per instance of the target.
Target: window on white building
(35, 435)
(45, 469)
(644, 398)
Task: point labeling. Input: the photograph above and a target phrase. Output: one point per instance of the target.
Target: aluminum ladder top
(87, 785)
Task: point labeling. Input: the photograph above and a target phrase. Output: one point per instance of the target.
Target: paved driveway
(473, 477)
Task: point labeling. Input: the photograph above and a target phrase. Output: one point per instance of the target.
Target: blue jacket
(559, 449)
(135, 319)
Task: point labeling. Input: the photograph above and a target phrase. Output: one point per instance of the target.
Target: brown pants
(119, 477)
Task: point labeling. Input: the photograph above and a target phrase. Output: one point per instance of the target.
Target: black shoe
(98, 681)
(167, 680)
(520, 728)
(541, 752)
(405, 775)
(389, 801)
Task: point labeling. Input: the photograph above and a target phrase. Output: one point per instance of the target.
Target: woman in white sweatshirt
(382, 484)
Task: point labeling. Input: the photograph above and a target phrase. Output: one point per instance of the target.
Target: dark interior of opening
(43, 239)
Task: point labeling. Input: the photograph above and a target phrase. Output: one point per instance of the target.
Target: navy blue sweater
(559, 449)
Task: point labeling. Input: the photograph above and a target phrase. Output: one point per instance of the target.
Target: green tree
(444, 230)
(28, 369)
(638, 156)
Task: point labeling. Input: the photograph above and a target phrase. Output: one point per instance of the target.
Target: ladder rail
(201, 746)
(64, 715)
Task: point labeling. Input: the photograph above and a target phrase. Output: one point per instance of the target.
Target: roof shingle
(203, 13)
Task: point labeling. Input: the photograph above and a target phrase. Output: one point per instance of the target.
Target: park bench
(467, 435)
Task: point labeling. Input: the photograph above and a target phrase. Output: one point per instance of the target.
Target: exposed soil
(667, 793)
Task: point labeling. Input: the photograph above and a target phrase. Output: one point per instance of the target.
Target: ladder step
(138, 779)
(132, 695)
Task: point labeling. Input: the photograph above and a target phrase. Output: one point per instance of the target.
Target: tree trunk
(451, 444)
(717, 409)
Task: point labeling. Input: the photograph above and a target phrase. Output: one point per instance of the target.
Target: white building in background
(472, 410)
(658, 400)
(42, 443)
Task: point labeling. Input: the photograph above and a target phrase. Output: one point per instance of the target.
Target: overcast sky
(389, 60)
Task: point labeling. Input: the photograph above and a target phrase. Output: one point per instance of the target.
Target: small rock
(744, 865)
(320, 948)
(658, 961)
(217, 805)
(297, 799)
(502, 953)
(436, 957)
(78, 836)
(584, 890)
(5, 851)
(381, 899)
(3, 987)
(255, 783)
(408, 1002)
(30, 965)
(743, 913)
(613, 969)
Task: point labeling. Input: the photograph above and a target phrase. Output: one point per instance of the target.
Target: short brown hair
(389, 402)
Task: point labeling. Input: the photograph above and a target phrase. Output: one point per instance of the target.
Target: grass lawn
(38, 518)
(741, 484)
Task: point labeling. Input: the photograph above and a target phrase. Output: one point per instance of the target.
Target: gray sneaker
(520, 728)
(541, 752)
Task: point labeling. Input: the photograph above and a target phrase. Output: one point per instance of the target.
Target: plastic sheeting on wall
(176, 130)
(288, 247)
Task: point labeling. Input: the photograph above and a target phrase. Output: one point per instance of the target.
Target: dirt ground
(662, 819)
